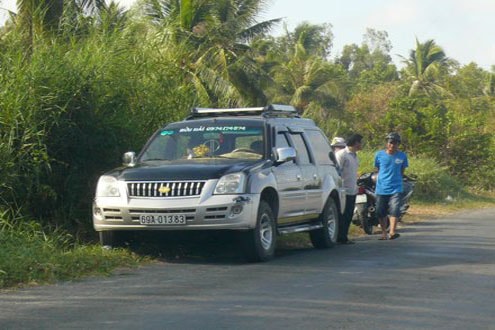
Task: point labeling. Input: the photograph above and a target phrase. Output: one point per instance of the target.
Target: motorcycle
(365, 209)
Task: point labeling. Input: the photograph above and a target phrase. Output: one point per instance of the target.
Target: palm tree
(423, 68)
(40, 14)
(310, 83)
(218, 33)
(38, 18)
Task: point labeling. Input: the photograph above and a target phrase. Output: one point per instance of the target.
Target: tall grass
(32, 255)
(72, 107)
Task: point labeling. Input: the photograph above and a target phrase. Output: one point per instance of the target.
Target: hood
(183, 170)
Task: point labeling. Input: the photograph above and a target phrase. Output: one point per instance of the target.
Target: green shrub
(71, 109)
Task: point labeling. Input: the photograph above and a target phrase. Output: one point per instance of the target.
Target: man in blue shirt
(390, 164)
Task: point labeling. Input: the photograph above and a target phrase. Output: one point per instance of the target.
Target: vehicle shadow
(212, 247)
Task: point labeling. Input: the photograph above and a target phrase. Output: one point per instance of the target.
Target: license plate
(162, 219)
(361, 198)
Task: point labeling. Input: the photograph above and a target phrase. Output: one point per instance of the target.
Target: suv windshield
(212, 140)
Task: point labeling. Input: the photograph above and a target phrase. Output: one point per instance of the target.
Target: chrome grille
(175, 188)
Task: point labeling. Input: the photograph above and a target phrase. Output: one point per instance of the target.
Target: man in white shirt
(349, 164)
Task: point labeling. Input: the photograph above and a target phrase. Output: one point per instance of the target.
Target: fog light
(97, 211)
(236, 209)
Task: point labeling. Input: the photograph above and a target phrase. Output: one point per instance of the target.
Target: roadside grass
(30, 255)
(422, 210)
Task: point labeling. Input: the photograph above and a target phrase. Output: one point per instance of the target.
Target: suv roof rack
(272, 110)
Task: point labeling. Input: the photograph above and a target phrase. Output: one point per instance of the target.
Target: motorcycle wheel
(364, 219)
(367, 225)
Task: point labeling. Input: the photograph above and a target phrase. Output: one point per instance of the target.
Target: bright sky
(463, 28)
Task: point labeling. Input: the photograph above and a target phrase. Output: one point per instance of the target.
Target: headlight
(230, 184)
(107, 187)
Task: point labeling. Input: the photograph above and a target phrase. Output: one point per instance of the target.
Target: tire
(259, 243)
(111, 238)
(326, 237)
(367, 225)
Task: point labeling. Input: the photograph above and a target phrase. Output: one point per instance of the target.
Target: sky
(463, 28)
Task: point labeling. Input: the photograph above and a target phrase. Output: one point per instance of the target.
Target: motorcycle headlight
(230, 184)
(107, 187)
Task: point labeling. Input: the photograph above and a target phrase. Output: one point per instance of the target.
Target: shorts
(388, 205)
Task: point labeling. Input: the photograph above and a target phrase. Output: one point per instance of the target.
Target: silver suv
(258, 171)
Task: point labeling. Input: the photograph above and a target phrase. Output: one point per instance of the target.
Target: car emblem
(164, 189)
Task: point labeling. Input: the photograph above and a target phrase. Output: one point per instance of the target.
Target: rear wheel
(259, 243)
(326, 236)
(367, 222)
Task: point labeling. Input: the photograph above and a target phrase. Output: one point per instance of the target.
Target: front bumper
(214, 212)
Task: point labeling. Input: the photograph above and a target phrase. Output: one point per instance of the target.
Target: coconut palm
(310, 83)
(218, 33)
(423, 67)
(67, 17)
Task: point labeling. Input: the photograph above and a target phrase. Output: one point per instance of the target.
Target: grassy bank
(30, 255)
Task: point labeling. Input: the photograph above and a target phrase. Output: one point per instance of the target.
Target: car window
(281, 141)
(320, 146)
(217, 140)
(301, 148)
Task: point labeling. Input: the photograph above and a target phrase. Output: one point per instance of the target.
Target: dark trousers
(345, 219)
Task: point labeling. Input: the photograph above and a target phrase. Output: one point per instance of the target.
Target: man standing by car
(349, 164)
(390, 164)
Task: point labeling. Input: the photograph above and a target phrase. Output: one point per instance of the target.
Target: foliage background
(83, 81)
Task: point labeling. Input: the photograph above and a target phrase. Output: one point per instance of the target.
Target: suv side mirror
(286, 154)
(129, 159)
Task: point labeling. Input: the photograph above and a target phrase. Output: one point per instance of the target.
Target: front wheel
(259, 243)
(326, 236)
(111, 238)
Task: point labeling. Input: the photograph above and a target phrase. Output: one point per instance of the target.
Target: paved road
(438, 275)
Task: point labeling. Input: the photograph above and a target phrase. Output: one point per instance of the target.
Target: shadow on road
(211, 247)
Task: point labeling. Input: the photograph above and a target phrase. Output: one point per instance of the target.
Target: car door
(289, 184)
(311, 179)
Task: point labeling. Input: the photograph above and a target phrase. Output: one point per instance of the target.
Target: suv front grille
(165, 188)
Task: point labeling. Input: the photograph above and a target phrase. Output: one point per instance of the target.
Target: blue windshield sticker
(167, 133)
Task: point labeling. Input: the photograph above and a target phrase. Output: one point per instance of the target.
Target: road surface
(440, 274)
